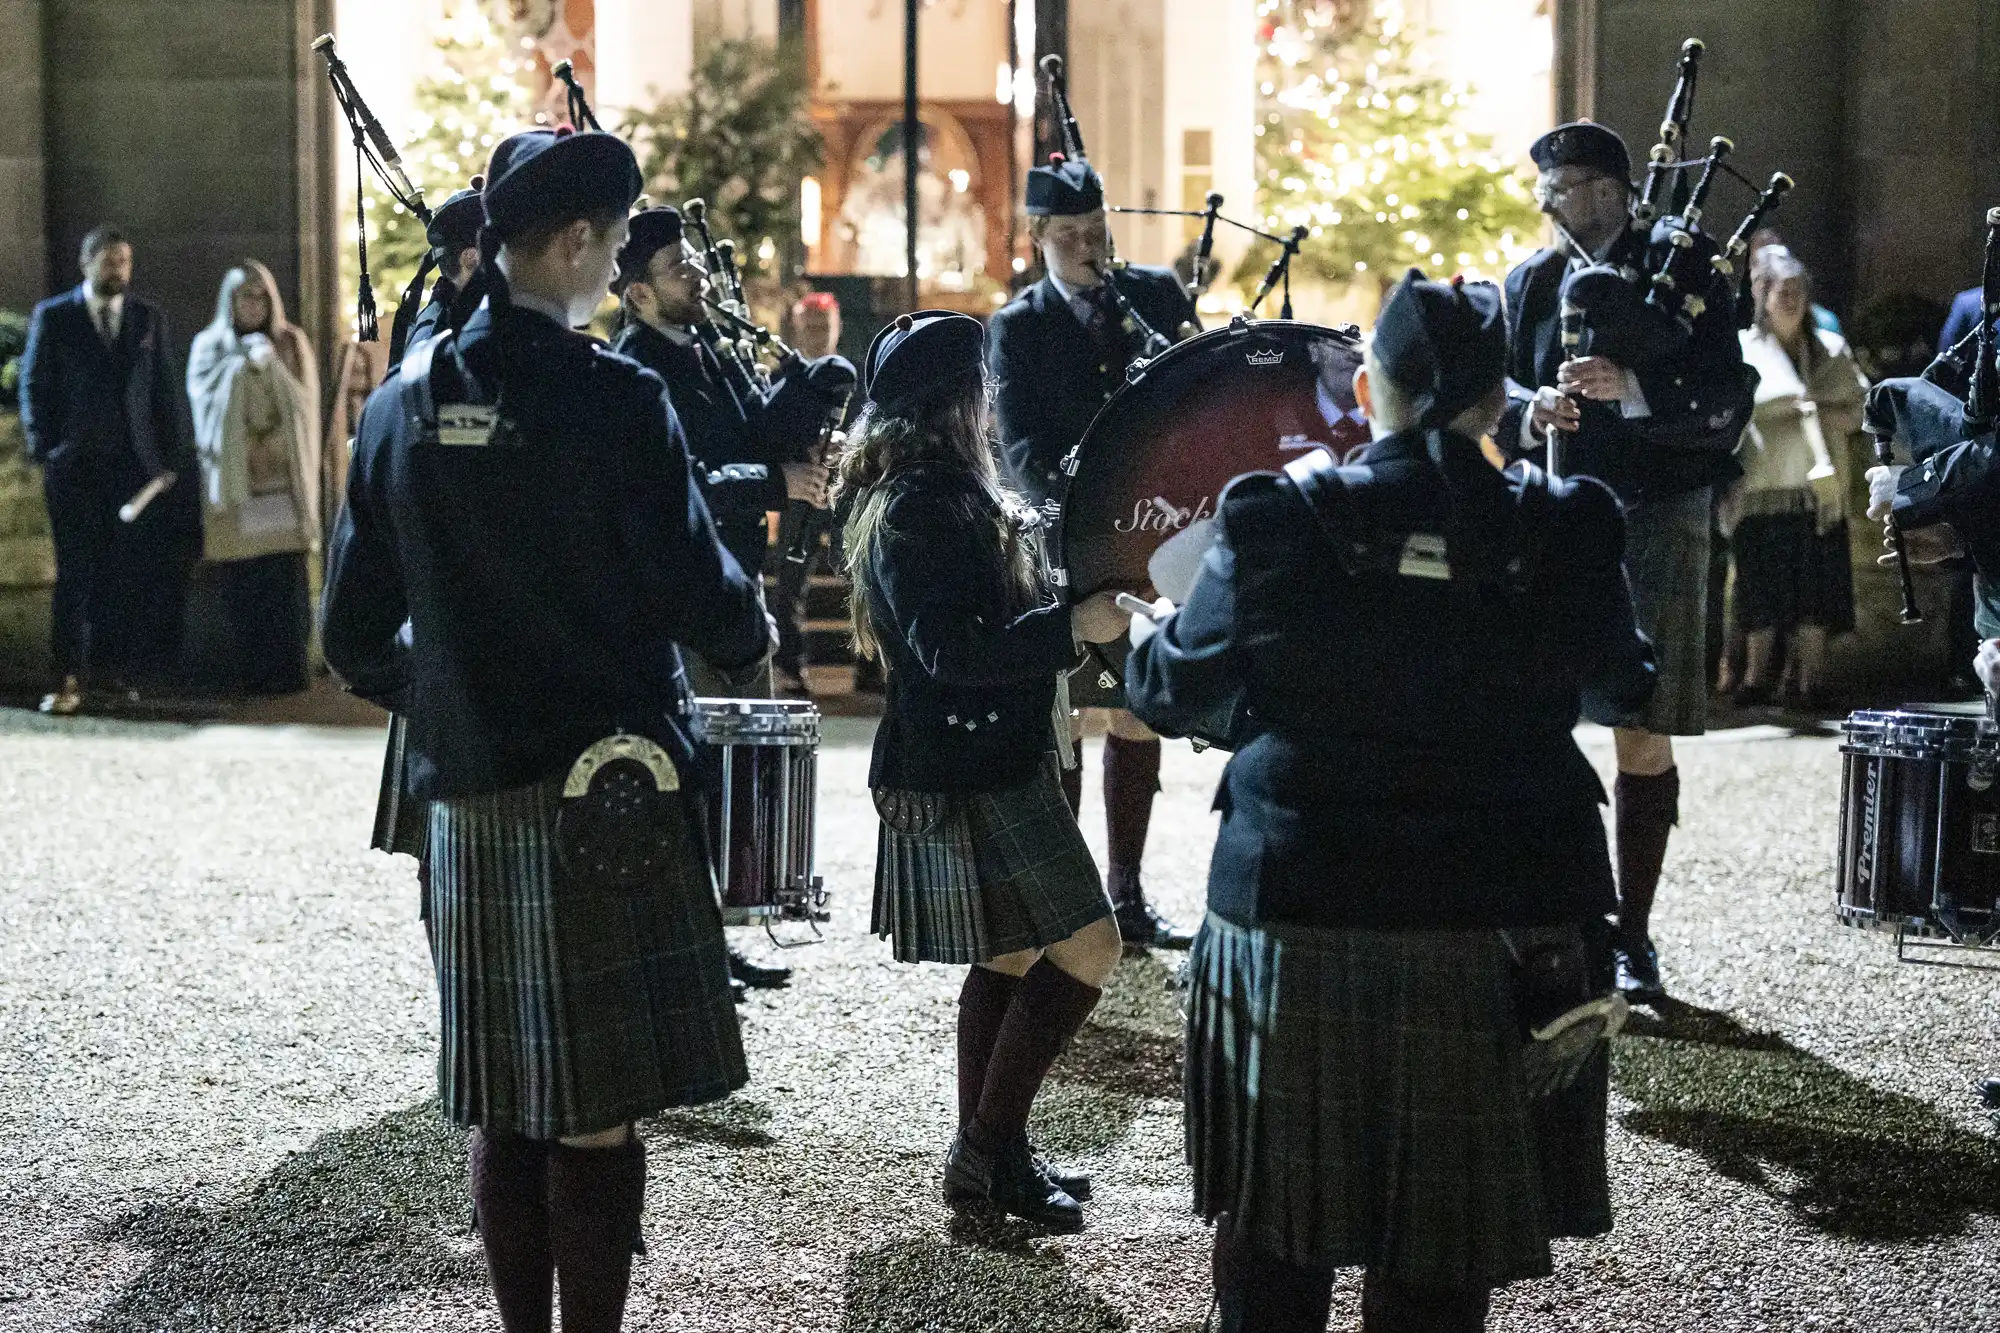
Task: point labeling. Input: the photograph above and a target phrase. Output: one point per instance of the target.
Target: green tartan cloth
(1354, 1098)
(1002, 871)
(567, 1010)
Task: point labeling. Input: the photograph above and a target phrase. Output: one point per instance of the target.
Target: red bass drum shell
(1249, 397)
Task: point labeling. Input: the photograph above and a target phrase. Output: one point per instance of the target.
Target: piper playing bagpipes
(1650, 395)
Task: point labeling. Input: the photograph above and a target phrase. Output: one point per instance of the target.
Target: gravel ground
(216, 1043)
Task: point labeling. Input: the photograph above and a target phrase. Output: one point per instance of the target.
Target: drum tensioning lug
(1070, 461)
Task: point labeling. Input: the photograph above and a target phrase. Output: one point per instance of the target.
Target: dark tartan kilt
(1666, 565)
(1002, 871)
(567, 1009)
(1354, 1098)
(402, 824)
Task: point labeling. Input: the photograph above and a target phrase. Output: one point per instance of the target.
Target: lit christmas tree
(476, 95)
(740, 139)
(1356, 142)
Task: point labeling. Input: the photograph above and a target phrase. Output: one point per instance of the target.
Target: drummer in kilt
(522, 497)
(979, 860)
(1056, 353)
(1411, 869)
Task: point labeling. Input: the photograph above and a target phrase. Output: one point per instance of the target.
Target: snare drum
(1920, 826)
(762, 757)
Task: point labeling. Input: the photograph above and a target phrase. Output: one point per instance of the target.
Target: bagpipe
(1646, 312)
(798, 405)
(372, 149)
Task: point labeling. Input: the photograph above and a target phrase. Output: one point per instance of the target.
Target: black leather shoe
(1989, 1093)
(960, 1189)
(1140, 925)
(757, 976)
(1009, 1181)
(1639, 972)
(1068, 1179)
(738, 991)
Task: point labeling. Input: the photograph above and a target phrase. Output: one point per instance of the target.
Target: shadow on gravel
(971, 1288)
(1128, 1053)
(350, 1224)
(1843, 1156)
(735, 1122)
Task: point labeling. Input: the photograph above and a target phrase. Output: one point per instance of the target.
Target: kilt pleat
(1002, 871)
(1354, 1098)
(564, 1009)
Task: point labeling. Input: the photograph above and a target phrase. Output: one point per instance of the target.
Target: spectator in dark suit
(106, 418)
(1963, 319)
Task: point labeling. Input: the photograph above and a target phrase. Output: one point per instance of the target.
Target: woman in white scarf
(1794, 580)
(255, 394)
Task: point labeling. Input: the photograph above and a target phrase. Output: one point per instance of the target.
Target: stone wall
(201, 129)
(23, 242)
(180, 123)
(1886, 112)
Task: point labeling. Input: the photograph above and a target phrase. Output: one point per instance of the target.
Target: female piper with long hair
(979, 861)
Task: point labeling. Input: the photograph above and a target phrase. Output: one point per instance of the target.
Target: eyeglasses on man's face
(1556, 189)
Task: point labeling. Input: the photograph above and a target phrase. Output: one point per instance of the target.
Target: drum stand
(1906, 941)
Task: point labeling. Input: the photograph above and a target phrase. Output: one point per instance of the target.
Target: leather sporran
(914, 814)
(621, 824)
(1565, 1011)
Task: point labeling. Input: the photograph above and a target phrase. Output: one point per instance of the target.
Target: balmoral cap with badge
(542, 176)
(922, 358)
(1444, 344)
(1063, 188)
(653, 230)
(1583, 143)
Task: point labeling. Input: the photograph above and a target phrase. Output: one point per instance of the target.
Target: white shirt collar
(529, 301)
(1076, 298)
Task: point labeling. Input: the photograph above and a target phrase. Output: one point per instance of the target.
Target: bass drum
(1248, 397)
(1245, 398)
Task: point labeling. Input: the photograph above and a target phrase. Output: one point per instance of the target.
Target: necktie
(1098, 322)
(104, 329)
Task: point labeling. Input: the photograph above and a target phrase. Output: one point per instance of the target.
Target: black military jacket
(1404, 756)
(548, 575)
(1699, 403)
(1052, 379)
(1954, 476)
(447, 310)
(971, 681)
(721, 430)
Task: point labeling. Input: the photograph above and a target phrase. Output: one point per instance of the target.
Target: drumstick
(129, 511)
(1125, 601)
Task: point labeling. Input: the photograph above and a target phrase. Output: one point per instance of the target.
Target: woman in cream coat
(255, 394)
(1794, 585)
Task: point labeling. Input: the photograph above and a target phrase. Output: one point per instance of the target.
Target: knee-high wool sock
(596, 1196)
(1260, 1293)
(1131, 779)
(982, 1008)
(1396, 1307)
(509, 1178)
(1048, 1009)
(1645, 808)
